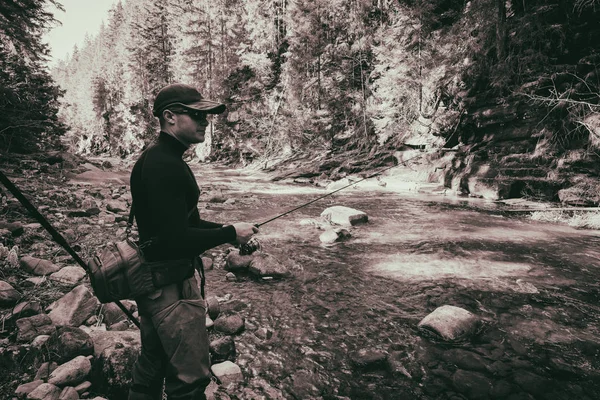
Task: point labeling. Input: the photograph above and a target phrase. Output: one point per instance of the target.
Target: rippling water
(534, 284)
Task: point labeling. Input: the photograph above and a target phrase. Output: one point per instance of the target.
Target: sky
(79, 17)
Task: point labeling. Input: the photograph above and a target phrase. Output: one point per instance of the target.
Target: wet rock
(532, 383)
(230, 325)
(450, 323)
(46, 391)
(266, 265)
(26, 388)
(69, 393)
(27, 309)
(227, 372)
(72, 372)
(8, 294)
(74, 308)
(15, 228)
(70, 275)
(331, 236)
(467, 360)
(368, 359)
(30, 327)
(236, 262)
(222, 349)
(115, 353)
(68, 342)
(38, 266)
(345, 216)
(44, 371)
(474, 385)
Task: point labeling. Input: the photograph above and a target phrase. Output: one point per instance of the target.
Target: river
(533, 284)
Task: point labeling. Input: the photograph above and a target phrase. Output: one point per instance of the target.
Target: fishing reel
(250, 247)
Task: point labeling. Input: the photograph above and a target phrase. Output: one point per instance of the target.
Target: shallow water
(534, 284)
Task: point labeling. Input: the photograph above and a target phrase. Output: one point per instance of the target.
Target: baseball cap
(186, 96)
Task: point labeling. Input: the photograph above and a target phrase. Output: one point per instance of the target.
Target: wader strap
(55, 235)
(198, 260)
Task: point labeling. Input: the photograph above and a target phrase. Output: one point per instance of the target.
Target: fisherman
(165, 195)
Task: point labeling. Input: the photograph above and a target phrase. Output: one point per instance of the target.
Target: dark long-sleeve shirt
(165, 197)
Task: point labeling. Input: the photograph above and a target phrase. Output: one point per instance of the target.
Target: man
(165, 196)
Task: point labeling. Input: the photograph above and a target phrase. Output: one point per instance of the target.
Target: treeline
(28, 95)
(316, 75)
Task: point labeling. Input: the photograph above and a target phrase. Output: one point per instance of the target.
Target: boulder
(227, 372)
(70, 275)
(71, 373)
(30, 327)
(236, 262)
(74, 307)
(68, 342)
(46, 391)
(8, 294)
(345, 216)
(230, 325)
(450, 323)
(115, 353)
(222, 349)
(37, 266)
(26, 388)
(266, 265)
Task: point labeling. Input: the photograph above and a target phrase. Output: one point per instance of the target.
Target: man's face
(190, 125)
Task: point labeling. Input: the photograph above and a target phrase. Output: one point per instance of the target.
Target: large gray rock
(70, 275)
(345, 216)
(115, 353)
(227, 372)
(266, 265)
(8, 294)
(74, 307)
(46, 391)
(230, 325)
(30, 327)
(68, 342)
(236, 262)
(38, 266)
(450, 323)
(71, 373)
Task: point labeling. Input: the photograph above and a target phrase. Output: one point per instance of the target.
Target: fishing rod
(335, 191)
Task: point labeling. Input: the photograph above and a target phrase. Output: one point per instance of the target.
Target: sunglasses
(194, 114)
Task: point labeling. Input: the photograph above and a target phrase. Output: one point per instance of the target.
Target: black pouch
(170, 271)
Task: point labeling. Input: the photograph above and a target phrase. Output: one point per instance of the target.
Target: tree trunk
(501, 30)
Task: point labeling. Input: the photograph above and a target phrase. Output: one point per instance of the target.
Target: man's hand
(244, 232)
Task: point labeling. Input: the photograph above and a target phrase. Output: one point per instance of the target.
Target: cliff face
(538, 137)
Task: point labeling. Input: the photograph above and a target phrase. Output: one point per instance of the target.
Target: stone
(532, 383)
(227, 372)
(209, 322)
(26, 388)
(116, 206)
(38, 266)
(264, 333)
(207, 263)
(40, 341)
(44, 371)
(8, 294)
(450, 323)
(222, 349)
(72, 372)
(111, 313)
(466, 360)
(13, 257)
(36, 280)
(395, 362)
(27, 309)
(119, 326)
(235, 262)
(30, 327)
(15, 228)
(230, 325)
(69, 393)
(344, 216)
(46, 391)
(331, 236)
(474, 385)
(68, 342)
(74, 308)
(70, 275)
(83, 387)
(368, 359)
(230, 277)
(115, 353)
(266, 265)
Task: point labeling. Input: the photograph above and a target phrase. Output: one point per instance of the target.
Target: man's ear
(169, 116)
